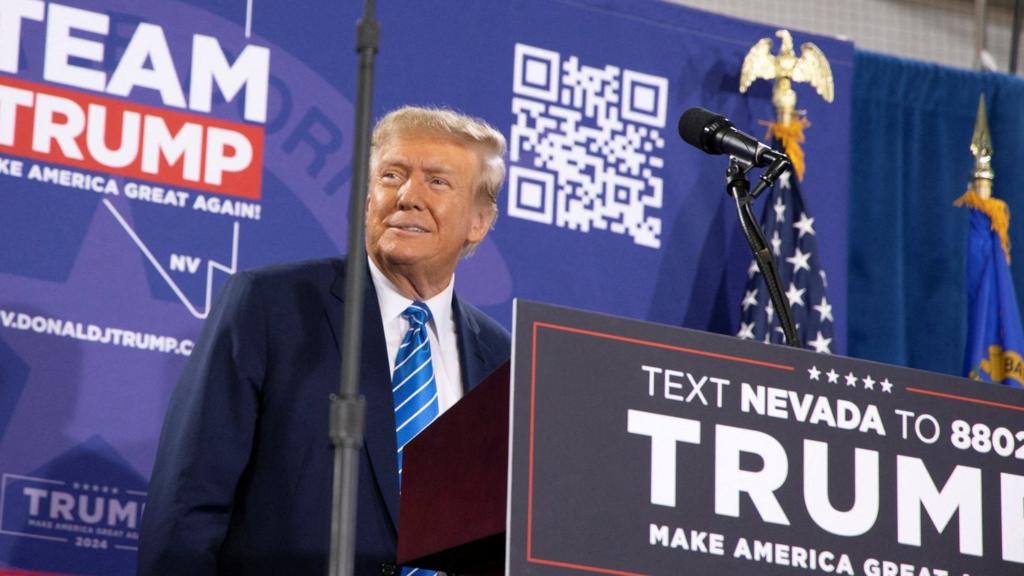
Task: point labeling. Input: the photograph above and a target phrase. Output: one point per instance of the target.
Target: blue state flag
(995, 341)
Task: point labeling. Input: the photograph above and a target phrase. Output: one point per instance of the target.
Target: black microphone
(714, 134)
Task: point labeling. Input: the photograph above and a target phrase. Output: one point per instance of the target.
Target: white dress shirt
(444, 344)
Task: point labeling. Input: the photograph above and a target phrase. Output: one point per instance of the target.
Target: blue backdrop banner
(149, 150)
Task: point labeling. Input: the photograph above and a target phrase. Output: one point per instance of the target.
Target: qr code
(586, 144)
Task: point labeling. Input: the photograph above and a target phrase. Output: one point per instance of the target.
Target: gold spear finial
(979, 191)
(981, 147)
(811, 67)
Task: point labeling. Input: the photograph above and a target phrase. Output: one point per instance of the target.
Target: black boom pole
(347, 407)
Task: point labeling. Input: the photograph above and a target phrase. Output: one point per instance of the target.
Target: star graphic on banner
(795, 295)
(851, 380)
(814, 373)
(799, 260)
(780, 210)
(776, 243)
(886, 386)
(824, 309)
(869, 382)
(95, 389)
(750, 299)
(824, 277)
(769, 309)
(833, 376)
(821, 344)
(746, 331)
(805, 225)
(784, 180)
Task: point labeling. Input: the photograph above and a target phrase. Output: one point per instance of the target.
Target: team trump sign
(77, 116)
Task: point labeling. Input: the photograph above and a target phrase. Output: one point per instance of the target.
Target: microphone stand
(739, 188)
(348, 407)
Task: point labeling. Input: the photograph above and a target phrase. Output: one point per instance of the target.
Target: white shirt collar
(393, 303)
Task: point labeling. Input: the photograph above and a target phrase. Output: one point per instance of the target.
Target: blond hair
(444, 122)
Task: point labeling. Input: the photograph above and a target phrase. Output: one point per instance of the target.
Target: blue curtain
(910, 159)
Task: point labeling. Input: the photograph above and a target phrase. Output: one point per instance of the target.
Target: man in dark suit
(242, 481)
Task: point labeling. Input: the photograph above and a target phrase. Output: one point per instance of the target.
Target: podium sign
(647, 449)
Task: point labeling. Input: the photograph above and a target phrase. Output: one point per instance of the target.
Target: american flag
(790, 232)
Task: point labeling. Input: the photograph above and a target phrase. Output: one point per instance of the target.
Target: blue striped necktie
(414, 389)
(412, 384)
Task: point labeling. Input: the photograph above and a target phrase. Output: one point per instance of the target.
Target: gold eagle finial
(785, 68)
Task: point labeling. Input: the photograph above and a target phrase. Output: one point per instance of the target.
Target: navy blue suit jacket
(242, 481)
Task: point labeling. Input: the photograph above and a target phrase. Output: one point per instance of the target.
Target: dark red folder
(454, 484)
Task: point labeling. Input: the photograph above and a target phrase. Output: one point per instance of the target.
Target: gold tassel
(997, 211)
(791, 135)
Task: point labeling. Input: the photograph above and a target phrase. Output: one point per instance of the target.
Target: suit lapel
(473, 352)
(375, 386)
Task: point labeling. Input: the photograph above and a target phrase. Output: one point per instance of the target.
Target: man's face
(422, 208)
